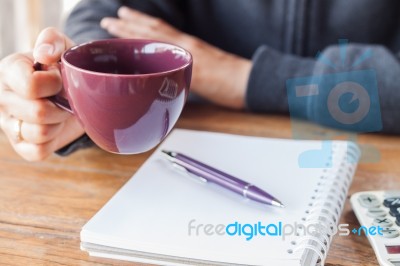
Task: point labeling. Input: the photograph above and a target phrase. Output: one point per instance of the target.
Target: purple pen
(210, 174)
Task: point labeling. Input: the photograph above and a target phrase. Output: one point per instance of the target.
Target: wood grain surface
(43, 205)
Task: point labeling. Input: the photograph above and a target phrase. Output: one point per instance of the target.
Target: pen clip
(184, 170)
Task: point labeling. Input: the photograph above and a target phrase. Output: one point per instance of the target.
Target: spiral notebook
(162, 216)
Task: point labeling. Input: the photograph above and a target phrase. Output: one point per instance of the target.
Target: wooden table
(44, 205)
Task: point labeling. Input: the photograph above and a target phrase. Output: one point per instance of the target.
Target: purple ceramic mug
(126, 93)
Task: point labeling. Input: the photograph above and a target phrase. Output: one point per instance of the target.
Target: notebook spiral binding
(326, 207)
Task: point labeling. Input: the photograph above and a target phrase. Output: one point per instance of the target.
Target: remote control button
(395, 211)
(390, 232)
(392, 202)
(369, 201)
(383, 222)
(376, 212)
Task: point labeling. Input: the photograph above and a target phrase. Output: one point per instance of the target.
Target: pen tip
(278, 204)
(169, 153)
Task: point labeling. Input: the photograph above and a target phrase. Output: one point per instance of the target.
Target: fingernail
(44, 49)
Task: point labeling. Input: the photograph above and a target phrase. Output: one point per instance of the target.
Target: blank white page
(151, 213)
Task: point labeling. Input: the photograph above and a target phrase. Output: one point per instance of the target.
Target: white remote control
(380, 208)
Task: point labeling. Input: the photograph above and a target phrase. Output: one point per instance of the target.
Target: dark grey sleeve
(83, 24)
(80, 143)
(268, 92)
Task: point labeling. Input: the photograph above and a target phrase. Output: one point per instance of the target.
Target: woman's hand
(35, 126)
(218, 76)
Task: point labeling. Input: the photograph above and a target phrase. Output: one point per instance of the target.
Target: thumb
(49, 46)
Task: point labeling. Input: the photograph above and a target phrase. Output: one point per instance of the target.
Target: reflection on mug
(164, 113)
(168, 89)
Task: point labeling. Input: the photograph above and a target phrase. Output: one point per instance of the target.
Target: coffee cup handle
(59, 100)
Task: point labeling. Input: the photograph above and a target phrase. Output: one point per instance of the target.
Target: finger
(34, 152)
(49, 46)
(138, 17)
(21, 78)
(40, 111)
(119, 28)
(11, 128)
(3, 121)
(17, 73)
(122, 29)
(39, 134)
(44, 83)
(37, 152)
(132, 23)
